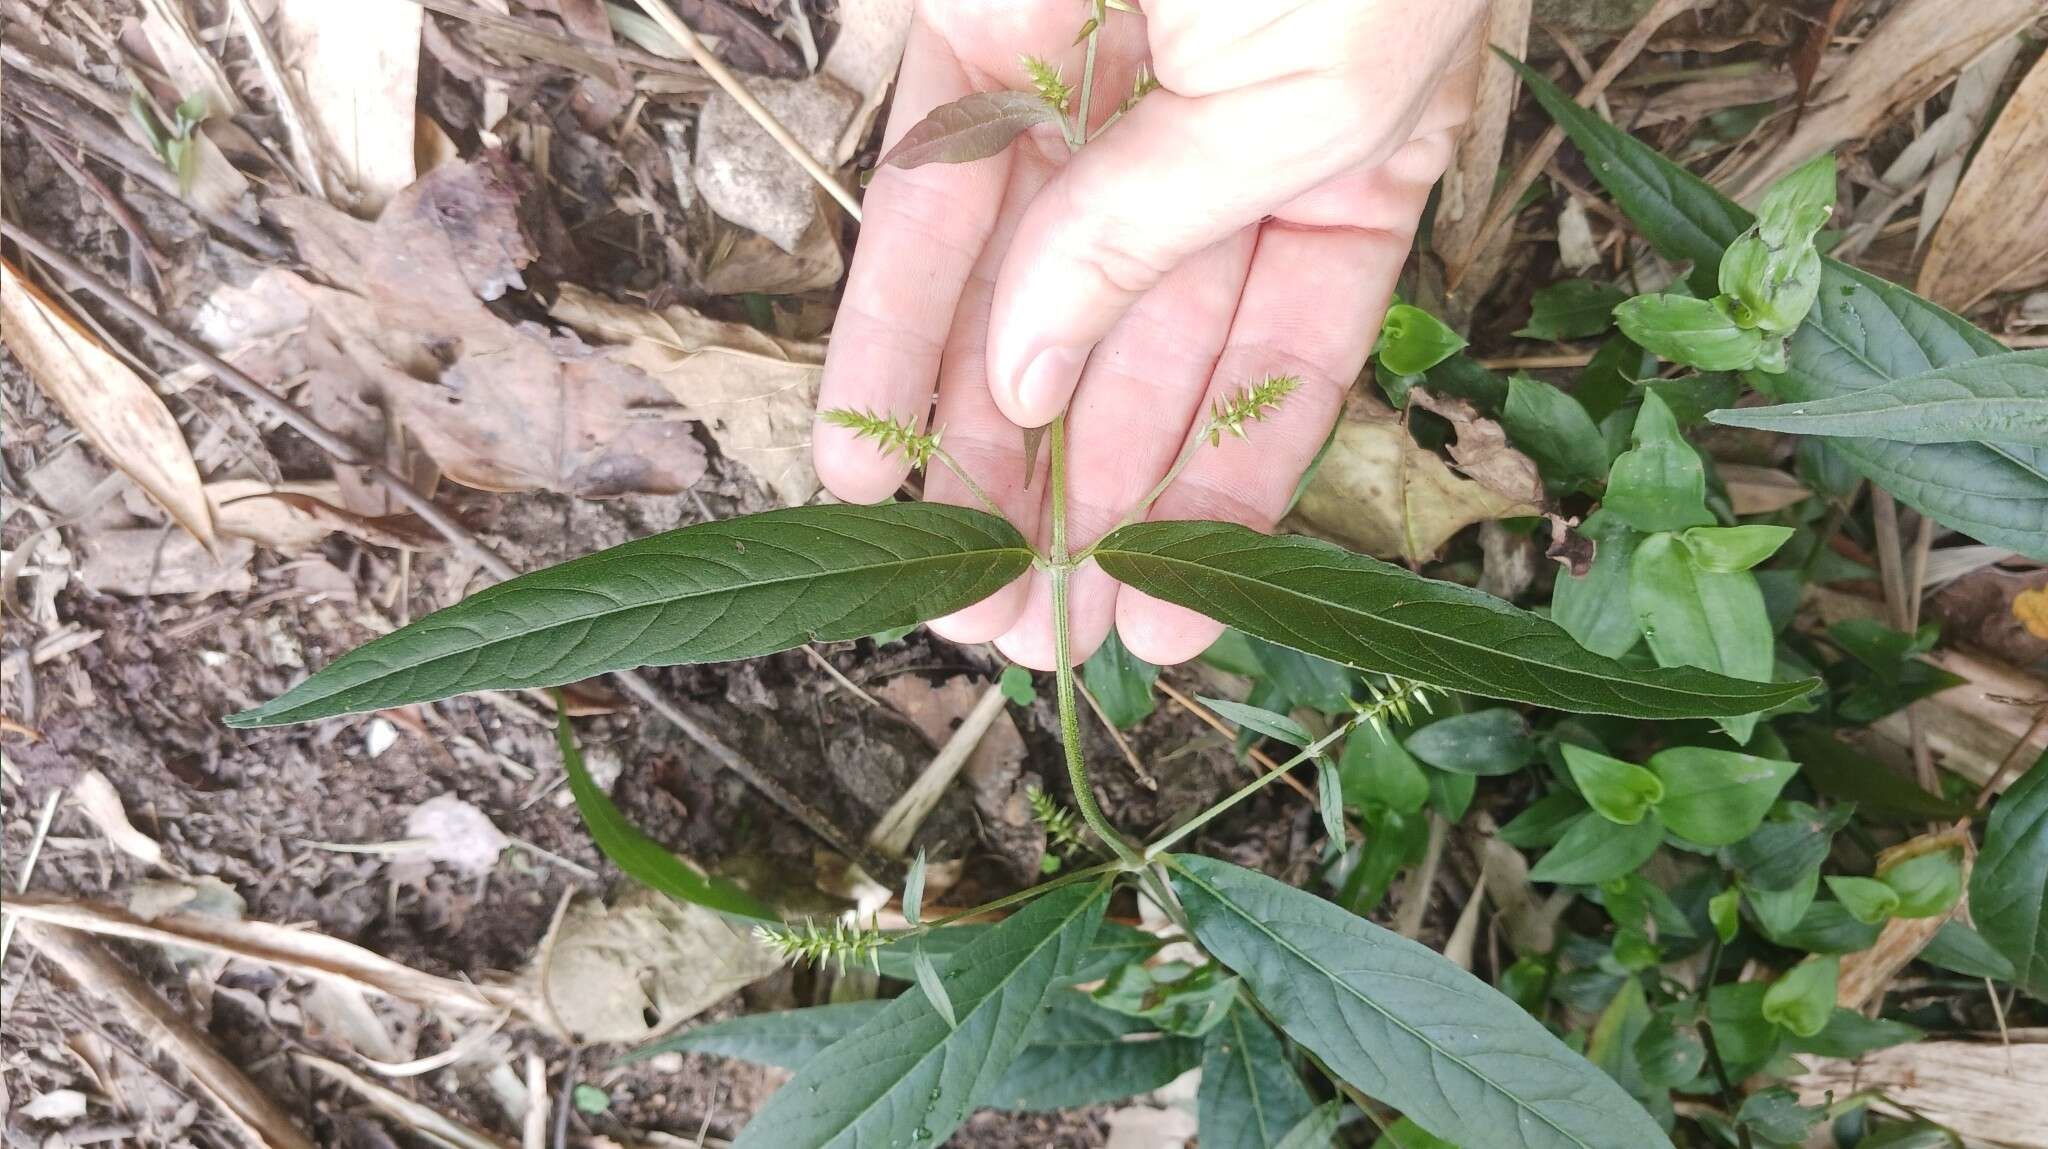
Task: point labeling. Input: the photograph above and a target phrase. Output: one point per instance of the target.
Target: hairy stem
(1061, 572)
(947, 460)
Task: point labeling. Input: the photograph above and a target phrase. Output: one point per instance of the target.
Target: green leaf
(1717, 797)
(1773, 271)
(1594, 608)
(737, 589)
(1250, 1096)
(1927, 884)
(1406, 1134)
(1863, 332)
(1315, 1130)
(1995, 399)
(1451, 794)
(1121, 682)
(1115, 945)
(1174, 996)
(1016, 686)
(1323, 600)
(1376, 768)
(2009, 885)
(1726, 550)
(1413, 341)
(1696, 332)
(1849, 1034)
(1483, 742)
(1659, 484)
(1392, 840)
(1841, 771)
(908, 1078)
(1573, 309)
(1775, 1115)
(640, 856)
(973, 127)
(1699, 618)
(1779, 910)
(1544, 822)
(1825, 928)
(1804, 999)
(1867, 899)
(1551, 428)
(1082, 1054)
(913, 890)
(1668, 1054)
(1724, 910)
(589, 1100)
(1911, 1135)
(1619, 791)
(933, 988)
(1330, 797)
(1788, 849)
(1746, 1038)
(1303, 679)
(1258, 718)
(787, 1039)
(1403, 1024)
(1596, 850)
(1960, 949)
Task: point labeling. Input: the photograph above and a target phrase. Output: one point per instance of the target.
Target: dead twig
(2010, 760)
(458, 536)
(891, 835)
(1123, 744)
(259, 1119)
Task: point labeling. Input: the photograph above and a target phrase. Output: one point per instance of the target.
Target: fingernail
(1048, 380)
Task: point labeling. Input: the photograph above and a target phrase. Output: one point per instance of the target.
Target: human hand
(1247, 219)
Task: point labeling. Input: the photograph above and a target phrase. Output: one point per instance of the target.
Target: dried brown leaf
(644, 965)
(1467, 187)
(1811, 50)
(102, 807)
(109, 404)
(1481, 449)
(143, 561)
(357, 68)
(1754, 490)
(973, 127)
(1994, 236)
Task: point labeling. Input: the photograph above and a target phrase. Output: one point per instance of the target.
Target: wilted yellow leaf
(2031, 608)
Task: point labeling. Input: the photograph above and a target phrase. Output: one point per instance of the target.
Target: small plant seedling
(1294, 1006)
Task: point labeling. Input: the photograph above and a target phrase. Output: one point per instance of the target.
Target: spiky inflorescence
(1397, 699)
(816, 944)
(1145, 84)
(1249, 405)
(887, 432)
(1061, 827)
(1045, 79)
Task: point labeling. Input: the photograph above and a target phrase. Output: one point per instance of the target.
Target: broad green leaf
(1995, 399)
(1610, 379)
(1867, 899)
(1826, 927)
(973, 127)
(1691, 396)
(1699, 618)
(787, 1039)
(737, 589)
(1779, 910)
(1406, 1134)
(1016, 686)
(1451, 794)
(1544, 822)
(1250, 1096)
(1323, 600)
(1121, 682)
(1412, 340)
(1483, 742)
(1612, 1043)
(1696, 332)
(1403, 1024)
(1266, 722)
(1596, 850)
(1377, 769)
(1960, 949)
(1115, 945)
(1552, 428)
(1804, 998)
(1304, 679)
(906, 1077)
(645, 859)
(1659, 484)
(1839, 770)
(1315, 1130)
(1726, 550)
(1927, 884)
(1772, 271)
(1745, 1037)
(1173, 996)
(1082, 1054)
(1789, 848)
(1573, 309)
(1594, 608)
(1669, 1054)
(1392, 840)
(1862, 332)
(1618, 791)
(1717, 797)
(1849, 1034)
(1775, 1115)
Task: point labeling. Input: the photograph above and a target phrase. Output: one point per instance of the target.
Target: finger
(1140, 394)
(1312, 305)
(924, 228)
(988, 447)
(1175, 176)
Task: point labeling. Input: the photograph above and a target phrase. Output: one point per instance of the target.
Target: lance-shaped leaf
(1995, 399)
(737, 589)
(2009, 884)
(1250, 1097)
(907, 1078)
(1082, 1054)
(1862, 333)
(1323, 600)
(787, 1039)
(1404, 1024)
(973, 127)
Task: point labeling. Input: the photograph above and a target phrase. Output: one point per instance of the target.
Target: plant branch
(1087, 94)
(947, 460)
(1250, 788)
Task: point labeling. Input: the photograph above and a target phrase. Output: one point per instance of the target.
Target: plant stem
(1080, 135)
(946, 459)
(1062, 569)
(1248, 789)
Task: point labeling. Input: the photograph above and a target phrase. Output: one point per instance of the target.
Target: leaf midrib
(1405, 627)
(1291, 948)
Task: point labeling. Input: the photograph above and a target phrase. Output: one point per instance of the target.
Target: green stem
(946, 459)
(1250, 788)
(1061, 572)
